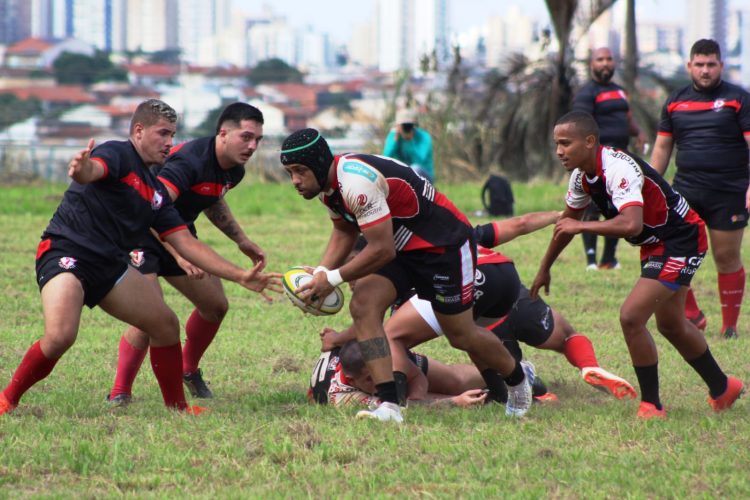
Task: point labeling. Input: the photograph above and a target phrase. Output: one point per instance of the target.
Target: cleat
(699, 321)
(592, 267)
(195, 410)
(196, 385)
(385, 412)
(609, 265)
(647, 411)
(547, 397)
(119, 400)
(601, 379)
(5, 405)
(730, 333)
(734, 390)
(520, 396)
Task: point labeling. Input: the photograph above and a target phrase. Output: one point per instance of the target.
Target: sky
(338, 17)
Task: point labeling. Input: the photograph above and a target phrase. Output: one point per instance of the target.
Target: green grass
(261, 437)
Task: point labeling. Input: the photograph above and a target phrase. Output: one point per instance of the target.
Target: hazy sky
(338, 17)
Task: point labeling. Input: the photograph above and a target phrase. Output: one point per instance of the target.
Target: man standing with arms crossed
(608, 104)
(416, 238)
(197, 174)
(709, 122)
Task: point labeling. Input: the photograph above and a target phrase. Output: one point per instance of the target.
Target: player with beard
(197, 175)
(709, 123)
(416, 239)
(113, 200)
(608, 104)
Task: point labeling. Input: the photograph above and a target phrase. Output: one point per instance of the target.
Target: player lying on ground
(640, 206)
(417, 239)
(341, 377)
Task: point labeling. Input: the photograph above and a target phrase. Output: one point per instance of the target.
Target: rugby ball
(295, 278)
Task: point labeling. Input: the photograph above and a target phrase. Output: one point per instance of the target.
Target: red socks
(580, 352)
(34, 367)
(167, 365)
(129, 360)
(199, 334)
(731, 291)
(692, 311)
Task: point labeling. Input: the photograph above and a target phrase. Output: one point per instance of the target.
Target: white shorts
(424, 308)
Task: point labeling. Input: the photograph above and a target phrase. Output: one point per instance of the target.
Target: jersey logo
(157, 200)
(360, 169)
(67, 262)
(623, 183)
(137, 258)
(362, 200)
(718, 104)
(478, 278)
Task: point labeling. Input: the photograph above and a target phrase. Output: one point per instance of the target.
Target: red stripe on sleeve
(169, 185)
(173, 230)
(631, 204)
(375, 222)
(664, 134)
(104, 166)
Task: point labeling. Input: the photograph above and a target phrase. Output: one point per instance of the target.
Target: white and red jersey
(670, 226)
(370, 189)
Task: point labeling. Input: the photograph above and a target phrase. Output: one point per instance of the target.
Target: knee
(458, 340)
(630, 321)
(216, 312)
(56, 344)
(361, 308)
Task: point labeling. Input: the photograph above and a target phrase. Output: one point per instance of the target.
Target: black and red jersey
(709, 130)
(370, 189)
(608, 104)
(109, 216)
(193, 172)
(670, 226)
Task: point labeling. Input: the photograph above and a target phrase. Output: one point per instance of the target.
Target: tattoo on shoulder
(373, 349)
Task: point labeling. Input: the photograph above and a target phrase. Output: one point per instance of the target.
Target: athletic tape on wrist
(334, 277)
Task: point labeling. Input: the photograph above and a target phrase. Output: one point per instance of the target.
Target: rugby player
(608, 104)
(640, 206)
(81, 259)
(709, 122)
(197, 175)
(416, 239)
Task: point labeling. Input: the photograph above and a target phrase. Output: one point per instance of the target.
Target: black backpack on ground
(497, 196)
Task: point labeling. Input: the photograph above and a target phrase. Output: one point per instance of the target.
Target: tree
(14, 110)
(70, 68)
(274, 71)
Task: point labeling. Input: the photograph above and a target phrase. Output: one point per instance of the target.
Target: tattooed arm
(221, 216)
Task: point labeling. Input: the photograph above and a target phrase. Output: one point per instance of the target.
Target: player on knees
(197, 175)
(641, 207)
(109, 206)
(427, 243)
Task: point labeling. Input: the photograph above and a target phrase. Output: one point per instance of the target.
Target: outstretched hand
(542, 280)
(80, 161)
(256, 280)
(253, 251)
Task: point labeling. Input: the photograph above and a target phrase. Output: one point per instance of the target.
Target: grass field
(262, 439)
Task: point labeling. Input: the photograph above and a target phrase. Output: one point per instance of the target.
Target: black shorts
(530, 321)
(722, 210)
(497, 288)
(152, 258)
(422, 362)
(97, 274)
(672, 272)
(445, 279)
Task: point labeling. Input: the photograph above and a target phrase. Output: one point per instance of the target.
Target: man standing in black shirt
(709, 122)
(608, 104)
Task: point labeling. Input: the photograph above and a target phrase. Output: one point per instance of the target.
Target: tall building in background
(513, 32)
(409, 29)
(363, 47)
(15, 21)
(706, 19)
(147, 25)
(200, 24)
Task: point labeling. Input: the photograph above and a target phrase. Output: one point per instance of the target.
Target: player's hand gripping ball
(295, 278)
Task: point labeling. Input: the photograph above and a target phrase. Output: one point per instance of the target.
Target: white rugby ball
(295, 278)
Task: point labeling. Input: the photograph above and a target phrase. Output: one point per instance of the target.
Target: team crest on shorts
(67, 262)
(137, 258)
